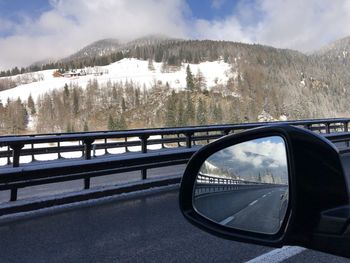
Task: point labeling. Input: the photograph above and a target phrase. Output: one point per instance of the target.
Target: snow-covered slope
(129, 69)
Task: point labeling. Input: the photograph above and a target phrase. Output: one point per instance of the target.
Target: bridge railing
(88, 145)
(207, 184)
(29, 160)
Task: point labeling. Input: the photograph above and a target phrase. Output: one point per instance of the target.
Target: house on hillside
(71, 73)
(95, 71)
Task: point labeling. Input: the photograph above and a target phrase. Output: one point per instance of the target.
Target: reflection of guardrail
(206, 184)
(207, 179)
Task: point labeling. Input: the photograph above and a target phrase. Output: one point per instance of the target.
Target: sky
(36, 30)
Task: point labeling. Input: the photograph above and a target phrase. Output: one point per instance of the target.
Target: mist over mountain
(97, 49)
(338, 48)
(105, 47)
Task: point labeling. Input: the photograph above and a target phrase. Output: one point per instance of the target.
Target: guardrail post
(16, 153)
(87, 156)
(327, 128)
(143, 139)
(32, 147)
(126, 146)
(162, 137)
(13, 196)
(59, 156)
(94, 150)
(87, 148)
(346, 129)
(189, 139)
(225, 132)
(178, 143)
(8, 155)
(105, 142)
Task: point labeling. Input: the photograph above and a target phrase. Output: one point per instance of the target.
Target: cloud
(217, 4)
(296, 24)
(303, 25)
(228, 29)
(72, 24)
(5, 26)
(253, 157)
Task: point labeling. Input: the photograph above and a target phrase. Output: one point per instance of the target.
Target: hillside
(156, 81)
(97, 49)
(139, 72)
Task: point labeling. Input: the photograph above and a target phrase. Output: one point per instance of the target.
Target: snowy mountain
(338, 49)
(126, 70)
(108, 46)
(96, 49)
(158, 81)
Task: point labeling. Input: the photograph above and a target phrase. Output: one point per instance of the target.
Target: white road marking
(252, 203)
(230, 218)
(264, 196)
(278, 255)
(227, 220)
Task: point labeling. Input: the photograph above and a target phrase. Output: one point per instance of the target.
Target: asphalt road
(141, 227)
(255, 209)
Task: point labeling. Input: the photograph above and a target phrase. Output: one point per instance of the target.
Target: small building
(71, 73)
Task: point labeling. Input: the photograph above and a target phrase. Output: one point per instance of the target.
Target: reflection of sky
(263, 157)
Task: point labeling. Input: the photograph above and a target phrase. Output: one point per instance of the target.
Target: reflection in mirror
(245, 186)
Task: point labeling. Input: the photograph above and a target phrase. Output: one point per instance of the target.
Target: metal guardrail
(13, 146)
(206, 184)
(103, 153)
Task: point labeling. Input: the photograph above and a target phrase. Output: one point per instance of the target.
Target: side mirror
(245, 186)
(273, 186)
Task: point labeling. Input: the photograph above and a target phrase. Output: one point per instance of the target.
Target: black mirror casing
(316, 184)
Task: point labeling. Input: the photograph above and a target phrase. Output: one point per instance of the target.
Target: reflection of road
(256, 210)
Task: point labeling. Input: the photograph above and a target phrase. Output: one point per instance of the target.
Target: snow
(79, 154)
(128, 69)
(283, 118)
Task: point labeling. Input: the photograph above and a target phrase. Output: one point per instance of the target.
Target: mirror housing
(318, 213)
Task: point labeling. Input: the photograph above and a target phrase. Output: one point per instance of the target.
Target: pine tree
(68, 128)
(200, 81)
(181, 121)
(86, 127)
(137, 97)
(31, 105)
(123, 105)
(217, 113)
(122, 123)
(75, 102)
(150, 65)
(189, 79)
(170, 111)
(189, 110)
(66, 96)
(201, 113)
(158, 55)
(110, 123)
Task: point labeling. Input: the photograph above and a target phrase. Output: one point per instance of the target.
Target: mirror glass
(245, 186)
